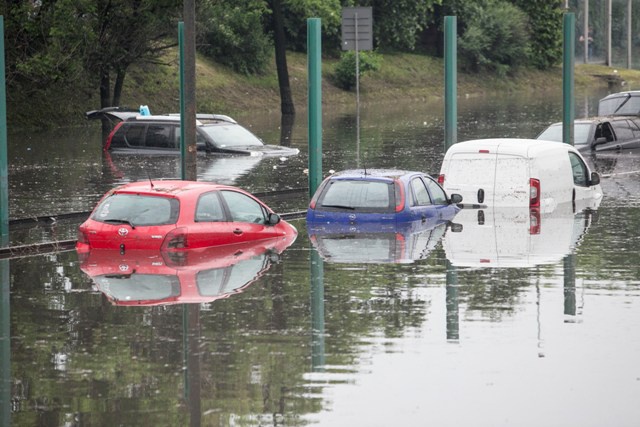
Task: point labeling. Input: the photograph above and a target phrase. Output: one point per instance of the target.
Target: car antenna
(150, 182)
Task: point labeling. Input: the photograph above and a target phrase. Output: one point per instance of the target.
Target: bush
(496, 37)
(233, 34)
(344, 74)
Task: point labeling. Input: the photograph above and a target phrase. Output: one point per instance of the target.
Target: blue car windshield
(367, 196)
(230, 135)
(136, 210)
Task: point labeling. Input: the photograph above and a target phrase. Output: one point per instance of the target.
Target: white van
(510, 172)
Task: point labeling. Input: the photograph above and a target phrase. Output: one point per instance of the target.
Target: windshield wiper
(120, 221)
(339, 207)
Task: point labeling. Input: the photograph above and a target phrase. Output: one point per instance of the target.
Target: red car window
(137, 210)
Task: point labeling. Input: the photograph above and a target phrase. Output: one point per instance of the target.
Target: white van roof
(513, 146)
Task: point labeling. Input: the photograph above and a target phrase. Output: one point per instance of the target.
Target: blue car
(386, 197)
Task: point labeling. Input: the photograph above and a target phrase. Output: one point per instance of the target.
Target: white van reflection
(377, 243)
(147, 278)
(515, 237)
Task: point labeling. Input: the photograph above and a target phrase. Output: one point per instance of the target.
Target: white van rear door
(512, 181)
(468, 173)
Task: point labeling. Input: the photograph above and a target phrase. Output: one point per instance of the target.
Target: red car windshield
(137, 210)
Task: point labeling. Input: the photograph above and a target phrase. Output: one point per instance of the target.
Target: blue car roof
(373, 173)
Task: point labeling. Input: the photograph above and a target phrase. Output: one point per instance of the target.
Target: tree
(545, 20)
(286, 100)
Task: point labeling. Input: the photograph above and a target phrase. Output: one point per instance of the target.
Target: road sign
(357, 28)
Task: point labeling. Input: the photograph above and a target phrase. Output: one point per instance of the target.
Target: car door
(581, 178)
(248, 217)
(211, 223)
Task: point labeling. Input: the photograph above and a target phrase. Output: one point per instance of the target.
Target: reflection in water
(5, 345)
(513, 237)
(376, 243)
(194, 276)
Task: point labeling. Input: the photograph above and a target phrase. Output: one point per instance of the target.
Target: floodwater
(490, 325)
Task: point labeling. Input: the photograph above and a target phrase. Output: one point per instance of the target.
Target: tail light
(107, 143)
(82, 237)
(534, 221)
(441, 179)
(534, 193)
(399, 193)
(176, 239)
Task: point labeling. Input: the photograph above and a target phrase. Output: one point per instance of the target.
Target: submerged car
(136, 133)
(380, 196)
(195, 276)
(620, 104)
(599, 134)
(177, 216)
(514, 173)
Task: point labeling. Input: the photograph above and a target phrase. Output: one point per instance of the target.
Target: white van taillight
(399, 196)
(534, 221)
(441, 179)
(534, 193)
(107, 144)
(176, 239)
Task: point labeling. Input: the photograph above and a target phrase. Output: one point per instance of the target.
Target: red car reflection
(194, 276)
(178, 215)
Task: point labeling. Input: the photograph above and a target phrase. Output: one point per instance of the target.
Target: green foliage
(295, 15)
(232, 32)
(545, 19)
(345, 71)
(495, 38)
(397, 23)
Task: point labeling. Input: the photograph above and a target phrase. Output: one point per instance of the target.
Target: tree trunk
(105, 101)
(286, 100)
(117, 87)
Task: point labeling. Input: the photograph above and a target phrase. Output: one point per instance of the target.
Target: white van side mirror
(595, 178)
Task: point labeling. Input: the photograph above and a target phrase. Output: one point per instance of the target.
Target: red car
(194, 276)
(177, 216)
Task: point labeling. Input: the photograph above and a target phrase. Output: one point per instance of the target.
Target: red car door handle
(237, 231)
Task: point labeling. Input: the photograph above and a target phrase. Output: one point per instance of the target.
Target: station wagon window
(159, 136)
(437, 193)
(579, 169)
(137, 210)
(209, 208)
(134, 135)
(420, 193)
(244, 208)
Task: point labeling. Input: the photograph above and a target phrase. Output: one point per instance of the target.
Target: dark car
(620, 104)
(160, 134)
(613, 133)
(380, 196)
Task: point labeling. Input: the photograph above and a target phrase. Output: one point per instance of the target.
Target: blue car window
(438, 195)
(209, 208)
(420, 193)
(357, 194)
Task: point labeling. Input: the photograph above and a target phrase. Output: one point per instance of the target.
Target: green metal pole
(568, 61)
(450, 82)
(453, 310)
(183, 144)
(5, 345)
(317, 311)
(314, 70)
(4, 175)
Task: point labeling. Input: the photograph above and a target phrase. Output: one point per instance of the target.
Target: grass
(218, 89)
